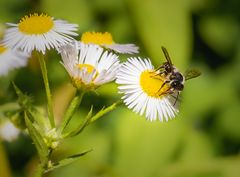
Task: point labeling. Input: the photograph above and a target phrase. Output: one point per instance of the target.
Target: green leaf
(25, 103)
(104, 111)
(67, 160)
(23, 100)
(80, 128)
(37, 139)
(40, 120)
(71, 110)
(9, 107)
(17, 118)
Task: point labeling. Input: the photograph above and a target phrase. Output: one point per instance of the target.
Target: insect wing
(175, 99)
(167, 56)
(192, 73)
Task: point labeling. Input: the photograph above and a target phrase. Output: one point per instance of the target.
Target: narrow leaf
(80, 128)
(104, 111)
(23, 100)
(17, 90)
(33, 114)
(67, 160)
(71, 110)
(37, 139)
(37, 117)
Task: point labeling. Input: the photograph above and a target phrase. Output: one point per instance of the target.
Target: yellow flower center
(78, 83)
(2, 49)
(36, 24)
(152, 84)
(97, 38)
(90, 68)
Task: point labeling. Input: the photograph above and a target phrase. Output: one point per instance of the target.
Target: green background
(204, 139)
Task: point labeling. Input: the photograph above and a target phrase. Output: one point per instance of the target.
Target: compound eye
(179, 76)
(180, 86)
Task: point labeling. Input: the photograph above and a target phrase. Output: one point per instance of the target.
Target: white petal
(105, 63)
(12, 59)
(135, 98)
(54, 38)
(123, 48)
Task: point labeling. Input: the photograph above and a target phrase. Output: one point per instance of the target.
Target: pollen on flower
(80, 84)
(151, 84)
(89, 68)
(97, 38)
(2, 49)
(36, 24)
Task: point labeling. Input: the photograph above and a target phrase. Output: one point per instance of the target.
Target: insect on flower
(173, 77)
(150, 91)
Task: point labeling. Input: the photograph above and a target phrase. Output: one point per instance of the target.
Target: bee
(173, 77)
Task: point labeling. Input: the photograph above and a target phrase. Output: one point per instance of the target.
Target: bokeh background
(204, 139)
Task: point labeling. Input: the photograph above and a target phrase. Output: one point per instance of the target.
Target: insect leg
(167, 81)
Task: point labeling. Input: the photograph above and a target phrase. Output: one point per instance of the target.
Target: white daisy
(141, 85)
(105, 40)
(8, 131)
(89, 66)
(11, 59)
(39, 32)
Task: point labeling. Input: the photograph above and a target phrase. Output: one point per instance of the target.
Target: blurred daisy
(8, 131)
(39, 32)
(11, 59)
(89, 66)
(141, 85)
(105, 40)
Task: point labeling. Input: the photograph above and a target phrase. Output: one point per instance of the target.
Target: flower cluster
(90, 62)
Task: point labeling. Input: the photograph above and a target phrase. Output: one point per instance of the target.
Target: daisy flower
(11, 59)
(89, 66)
(105, 40)
(39, 32)
(141, 85)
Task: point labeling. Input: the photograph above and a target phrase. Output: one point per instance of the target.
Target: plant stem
(105, 111)
(76, 101)
(90, 119)
(43, 165)
(39, 171)
(9, 106)
(47, 88)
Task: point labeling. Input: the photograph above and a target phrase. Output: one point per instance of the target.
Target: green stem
(105, 111)
(71, 110)
(90, 119)
(47, 88)
(43, 165)
(39, 171)
(9, 107)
